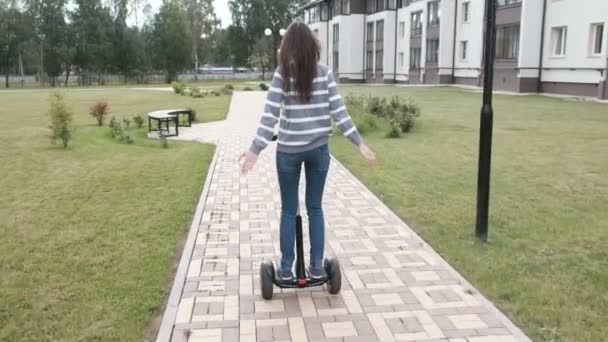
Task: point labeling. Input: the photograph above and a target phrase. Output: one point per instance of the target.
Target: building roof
(312, 3)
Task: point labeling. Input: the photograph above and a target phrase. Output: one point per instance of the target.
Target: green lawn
(546, 264)
(89, 235)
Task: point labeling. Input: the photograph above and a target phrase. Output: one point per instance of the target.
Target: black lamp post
(485, 130)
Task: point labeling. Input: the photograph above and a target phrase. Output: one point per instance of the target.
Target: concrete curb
(166, 327)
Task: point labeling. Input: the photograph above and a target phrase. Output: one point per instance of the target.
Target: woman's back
(305, 124)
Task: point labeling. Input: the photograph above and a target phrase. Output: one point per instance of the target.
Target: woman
(311, 100)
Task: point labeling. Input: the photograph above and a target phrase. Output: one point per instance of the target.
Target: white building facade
(547, 46)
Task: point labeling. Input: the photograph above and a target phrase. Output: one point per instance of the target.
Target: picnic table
(167, 118)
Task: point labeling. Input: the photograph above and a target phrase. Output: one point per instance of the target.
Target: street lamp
(486, 122)
(196, 58)
(268, 33)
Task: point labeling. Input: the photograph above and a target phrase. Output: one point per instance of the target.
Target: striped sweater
(303, 126)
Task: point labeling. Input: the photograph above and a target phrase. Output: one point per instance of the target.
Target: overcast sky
(221, 10)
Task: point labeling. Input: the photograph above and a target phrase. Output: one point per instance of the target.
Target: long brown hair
(300, 53)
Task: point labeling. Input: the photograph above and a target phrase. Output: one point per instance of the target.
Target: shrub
(216, 92)
(138, 120)
(247, 88)
(178, 87)
(116, 129)
(61, 120)
(395, 129)
(227, 91)
(263, 86)
(197, 92)
(192, 114)
(127, 139)
(164, 143)
(229, 87)
(377, 106)
(99, 111)
(126, 122)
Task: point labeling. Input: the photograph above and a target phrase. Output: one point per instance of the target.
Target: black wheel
(334, 275)
(266, 279)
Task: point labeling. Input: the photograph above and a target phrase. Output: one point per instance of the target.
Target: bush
(138, 120)
(192, 114)
(247, 88)
(197, 92)
(178, 87)
(127, 139)
(126, 122)
(216, 92)
(227, 91)
(61, 120)
(377, 106)
(164, 143)
(116, 129)
(99, 111)
(229, 87)
(263, 86)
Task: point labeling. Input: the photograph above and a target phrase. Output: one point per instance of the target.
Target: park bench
(165, 118)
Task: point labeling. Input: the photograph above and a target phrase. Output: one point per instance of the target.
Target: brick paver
(394, 288)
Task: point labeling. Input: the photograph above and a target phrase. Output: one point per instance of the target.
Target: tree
(260, 58)
(15, 31)
(171, 45)
(92, 24)
(125, 45)
(202, 19)
(254, 16)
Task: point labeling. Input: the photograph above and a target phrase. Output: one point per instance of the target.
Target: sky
(220, 6)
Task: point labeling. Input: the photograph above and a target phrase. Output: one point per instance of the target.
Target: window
(345, 6)
(402, 29)
(501, 3)
(379, 59)
(401, 59)
(324, 14)
(415, 55)
(336, 61)
(417, 23)
(381, 5)
(432, 50)
(369, 62)
(336, 33)
(434, 13)
(370, 32)
(392, 4)
(314, 14)
(371, 6)
(465, 12)
(463, 50)
(559, 39)
(597, 39)
(507, 42)
(337, 7)
(380, 30)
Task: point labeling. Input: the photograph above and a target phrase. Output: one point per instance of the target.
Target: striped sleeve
(271, 115)
(340, 113)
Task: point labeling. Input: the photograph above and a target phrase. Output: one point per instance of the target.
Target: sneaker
(317, 273)
(286, 276)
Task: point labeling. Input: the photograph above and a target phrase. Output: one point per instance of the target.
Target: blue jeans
(289, 166)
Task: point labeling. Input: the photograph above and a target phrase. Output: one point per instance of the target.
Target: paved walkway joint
(394, 287)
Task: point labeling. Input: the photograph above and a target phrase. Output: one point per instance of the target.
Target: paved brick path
(395, 288)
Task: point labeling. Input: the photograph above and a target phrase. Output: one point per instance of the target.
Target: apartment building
(552, 46)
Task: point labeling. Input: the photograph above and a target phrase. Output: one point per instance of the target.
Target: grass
(546, 264)
(89, 235)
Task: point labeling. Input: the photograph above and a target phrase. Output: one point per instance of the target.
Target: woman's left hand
(248, 160)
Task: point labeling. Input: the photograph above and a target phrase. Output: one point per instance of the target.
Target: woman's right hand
(368, 154)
